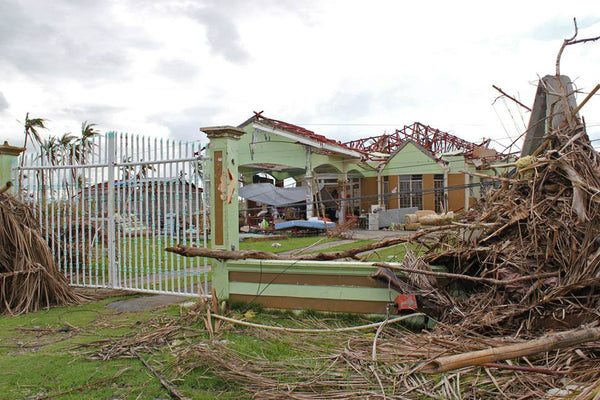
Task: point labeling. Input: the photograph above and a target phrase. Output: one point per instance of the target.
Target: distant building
(148, 201)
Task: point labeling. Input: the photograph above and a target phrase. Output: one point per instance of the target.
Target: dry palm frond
(29, 276)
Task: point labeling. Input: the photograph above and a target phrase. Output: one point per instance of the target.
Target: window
(439, 195)
(410, 191)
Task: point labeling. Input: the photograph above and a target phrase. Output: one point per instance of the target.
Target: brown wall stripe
(307, 303)
(218, 211)
(304, 279)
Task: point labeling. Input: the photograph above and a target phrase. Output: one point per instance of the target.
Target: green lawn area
(288, 244)
(45, 355)
(139, 256)
(394, 253)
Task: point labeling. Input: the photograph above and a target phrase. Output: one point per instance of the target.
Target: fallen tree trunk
(191, 251)
(541, 345)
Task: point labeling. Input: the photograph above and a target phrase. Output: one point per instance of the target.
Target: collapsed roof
(432, 139)
(380, 147)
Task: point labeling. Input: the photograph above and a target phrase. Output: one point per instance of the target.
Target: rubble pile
(540, 235)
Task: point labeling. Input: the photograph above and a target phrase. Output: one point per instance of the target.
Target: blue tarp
(304, 224)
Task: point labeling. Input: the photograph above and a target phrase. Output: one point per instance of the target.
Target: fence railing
(109, 213)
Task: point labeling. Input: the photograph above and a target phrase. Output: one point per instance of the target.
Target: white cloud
(168, 67)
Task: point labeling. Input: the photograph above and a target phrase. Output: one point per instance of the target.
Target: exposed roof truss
(432, 139)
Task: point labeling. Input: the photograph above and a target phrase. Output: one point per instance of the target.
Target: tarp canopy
(268, 193)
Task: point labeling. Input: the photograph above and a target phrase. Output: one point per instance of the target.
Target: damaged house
(417, 167)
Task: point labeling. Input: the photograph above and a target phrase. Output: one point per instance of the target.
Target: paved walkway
(375, 235)
(144, 303)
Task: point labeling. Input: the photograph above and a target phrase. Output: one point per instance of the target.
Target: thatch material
(545, 226)
(29, 277)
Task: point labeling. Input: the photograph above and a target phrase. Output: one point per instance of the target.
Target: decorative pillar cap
(7, 149)
(226, 131)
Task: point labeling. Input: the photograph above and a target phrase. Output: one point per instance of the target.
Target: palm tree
(64, 146)
(50, 149)
(65, 150)
(31, 128)
(85, 144)
(83, 148)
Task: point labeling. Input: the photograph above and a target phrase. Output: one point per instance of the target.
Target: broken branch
(191, 251)
(490, 281)
(512, 98)
(541, 345)
(172, 390)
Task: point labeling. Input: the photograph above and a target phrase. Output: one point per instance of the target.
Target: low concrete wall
(299, 285)
(386, 217)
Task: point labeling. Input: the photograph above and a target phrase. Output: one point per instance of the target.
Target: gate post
(8, 157)
(224, 208)
(110, 210)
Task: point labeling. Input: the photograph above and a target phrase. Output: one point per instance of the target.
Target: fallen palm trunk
(191, 251)
(542, 345)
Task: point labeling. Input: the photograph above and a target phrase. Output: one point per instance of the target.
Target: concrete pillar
(445, 206)
(548, 112)
(8, 159)
(344, 196)
(379, 188)
(224, 208)
(308, 178)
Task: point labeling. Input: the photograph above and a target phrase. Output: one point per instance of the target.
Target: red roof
(301, 131)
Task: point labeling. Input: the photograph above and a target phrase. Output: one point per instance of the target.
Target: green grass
(34, 363)
(286, 244)
(394, 253)
(343, 247)
(159, 269)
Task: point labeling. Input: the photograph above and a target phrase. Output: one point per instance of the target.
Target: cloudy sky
(345, 69)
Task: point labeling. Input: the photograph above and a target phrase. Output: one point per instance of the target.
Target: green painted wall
(354, 268)
(6, 164)
(8, 160)
(270, 148)
(315, 291)
(411, 160)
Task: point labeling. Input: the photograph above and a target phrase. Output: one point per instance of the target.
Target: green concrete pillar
(224, 209)
(8, 159)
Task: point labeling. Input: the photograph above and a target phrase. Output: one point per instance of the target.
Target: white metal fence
(109, 207)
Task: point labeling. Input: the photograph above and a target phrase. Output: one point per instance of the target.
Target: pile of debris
(538, 236)
(524, 265)
(29, 277)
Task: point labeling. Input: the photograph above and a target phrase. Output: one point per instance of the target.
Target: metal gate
(109, 206)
